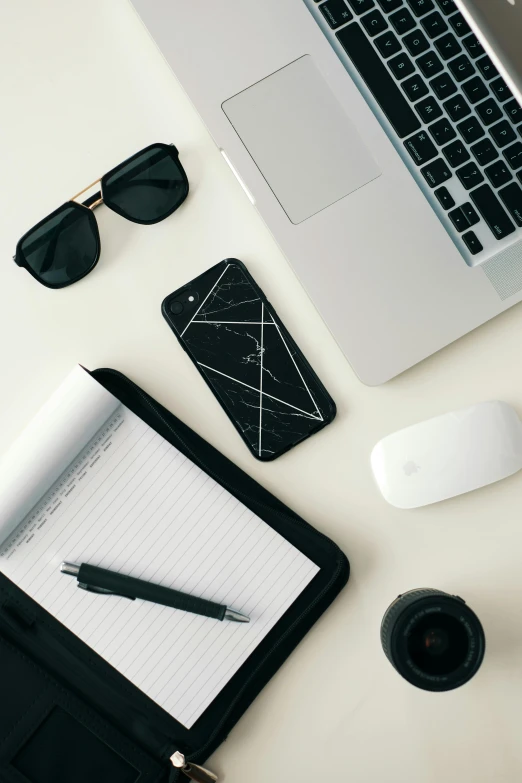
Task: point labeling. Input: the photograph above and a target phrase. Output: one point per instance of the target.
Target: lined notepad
(129, 501)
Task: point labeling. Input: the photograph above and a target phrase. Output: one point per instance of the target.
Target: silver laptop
(381, 141)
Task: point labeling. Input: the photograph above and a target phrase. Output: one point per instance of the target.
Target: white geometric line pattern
(205, 299)
(266, 422)
(265, 394)
(299, 371)
(261, 351)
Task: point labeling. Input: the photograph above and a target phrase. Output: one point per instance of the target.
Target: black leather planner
(67, 715)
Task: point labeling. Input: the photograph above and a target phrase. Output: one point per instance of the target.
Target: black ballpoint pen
(99, 580)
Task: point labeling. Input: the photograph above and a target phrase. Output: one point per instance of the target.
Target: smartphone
(234, 337)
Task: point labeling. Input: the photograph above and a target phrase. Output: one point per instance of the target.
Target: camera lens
(434, 640)
(176, 308)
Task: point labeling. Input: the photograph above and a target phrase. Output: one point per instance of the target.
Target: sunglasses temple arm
(97, 197)
(144, 166)
(160, 184)
(49, 253)
(37, 244)
(51, 249)
(52, 242)
(139, 168)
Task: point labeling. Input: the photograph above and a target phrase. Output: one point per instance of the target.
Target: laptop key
(471, 130)
(489, 111)
(513, 155)
(473, 46)
(511, 195)
(415, 88)
(443, 86)
(436, 173)
(336, 13)
(389, 5)
(501, 90)
(513, 111)
(360, 6)
(420, 7)
(429, 64)
(447, 6)
(484, 151)
(470, 175)
(445, 198)
(387, 44)
(380, 83)
(470, 213)
(457, 108)
(416, 43)
(459, 24)
(492, 211)
(456, 154)
(401, 66)
(461, 68)
(448, 46)
(486, 68)
(442, 131)
(458, 219)
(421, 148)
(403, 21)
(434, 24)
(475, 90)
(374, 23)
(428, 109)
(502, 133)
(472, 242)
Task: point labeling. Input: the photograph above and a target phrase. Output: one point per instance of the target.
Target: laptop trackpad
(301, 139)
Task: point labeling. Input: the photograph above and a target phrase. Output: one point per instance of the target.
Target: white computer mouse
(448, 455)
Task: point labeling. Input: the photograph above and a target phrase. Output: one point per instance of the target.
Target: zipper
(202, 752)
(192, 771)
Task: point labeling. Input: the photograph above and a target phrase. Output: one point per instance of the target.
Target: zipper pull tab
(192, 771)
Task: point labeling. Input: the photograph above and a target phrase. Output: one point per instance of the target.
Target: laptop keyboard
(445, 104)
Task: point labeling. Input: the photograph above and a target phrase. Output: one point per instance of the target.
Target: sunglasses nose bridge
(96, 203)
(93, 201)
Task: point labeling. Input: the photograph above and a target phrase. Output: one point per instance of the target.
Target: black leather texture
(67, 715)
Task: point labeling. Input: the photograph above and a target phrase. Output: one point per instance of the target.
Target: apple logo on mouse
(410, 468)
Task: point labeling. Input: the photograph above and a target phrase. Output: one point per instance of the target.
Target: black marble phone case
(249, 360)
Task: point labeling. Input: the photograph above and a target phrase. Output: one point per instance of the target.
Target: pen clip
(102, 591)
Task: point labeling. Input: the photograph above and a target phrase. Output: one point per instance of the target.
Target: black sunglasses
(65, 246)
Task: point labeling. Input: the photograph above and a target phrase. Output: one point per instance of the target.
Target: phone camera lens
(176, 308)
(433, 639)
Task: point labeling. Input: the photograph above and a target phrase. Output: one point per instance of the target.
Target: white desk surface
(82, 87)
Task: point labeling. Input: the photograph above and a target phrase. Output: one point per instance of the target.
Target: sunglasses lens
(148, 187)
(64, 247)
